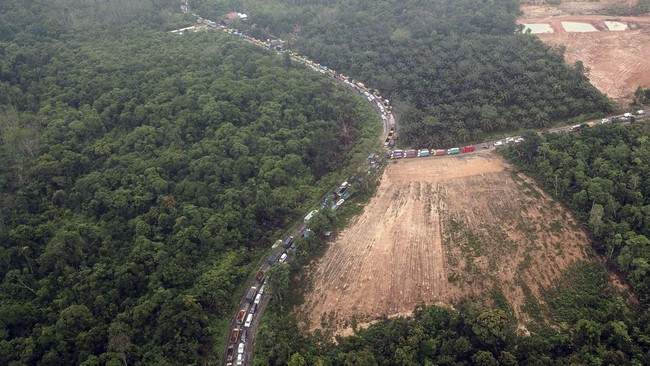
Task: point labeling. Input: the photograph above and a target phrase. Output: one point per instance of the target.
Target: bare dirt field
(617, 60)
(440, 230)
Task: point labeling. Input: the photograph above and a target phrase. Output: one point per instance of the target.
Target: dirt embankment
(616, 52)
(440, 230)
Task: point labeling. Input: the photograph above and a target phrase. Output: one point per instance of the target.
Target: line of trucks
(245, 316)
(411, 153)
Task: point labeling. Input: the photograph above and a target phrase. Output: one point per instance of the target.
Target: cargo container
(423, 152)
(234, 335)
(439, 152)
(467, 149)
(250, 295)
(453, 150)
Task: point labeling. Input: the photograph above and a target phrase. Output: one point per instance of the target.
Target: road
(298, 231)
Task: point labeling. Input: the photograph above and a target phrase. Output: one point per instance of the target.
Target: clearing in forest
(437, 231)
(615, 54)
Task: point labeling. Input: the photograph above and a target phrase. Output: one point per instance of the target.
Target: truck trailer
(250, 295)
(467, 149)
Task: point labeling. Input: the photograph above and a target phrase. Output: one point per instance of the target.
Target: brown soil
(617, 62)
(440, 230)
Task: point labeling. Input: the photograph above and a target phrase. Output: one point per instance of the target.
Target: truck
(234, 335)
(309, 216)
(467, 149)
(250, 295)
(397, 154)
(438, 152)
(260, 276)
(241, 314)
(287, 241)
(575, 128)
(410, 153)
(453, 150)
(423, 152)
(230, 353)
(258, 298)
(272, 259)
(391, 144)
(387, 141)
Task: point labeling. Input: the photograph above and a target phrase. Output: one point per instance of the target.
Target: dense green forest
(603, 174)
(139, 172)
(455, 70)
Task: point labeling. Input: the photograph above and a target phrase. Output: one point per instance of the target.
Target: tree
(297, 360)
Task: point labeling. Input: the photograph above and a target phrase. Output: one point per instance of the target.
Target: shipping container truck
(467, 149)
(250, 295)
(423, 152)
(453, 150)
(439, 152)
(397, 154)
(234, 335)
(411, 153)
(287, 241)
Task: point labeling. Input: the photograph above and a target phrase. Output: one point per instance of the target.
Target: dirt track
(437, 231)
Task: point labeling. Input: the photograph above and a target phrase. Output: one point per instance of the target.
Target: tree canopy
(141, 171)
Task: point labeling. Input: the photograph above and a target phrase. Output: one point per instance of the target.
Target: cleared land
(616, 54)
(440, 230)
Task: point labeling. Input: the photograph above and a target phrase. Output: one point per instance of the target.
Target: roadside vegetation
(141, 176)
(455, 71)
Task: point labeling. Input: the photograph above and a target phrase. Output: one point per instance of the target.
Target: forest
(603, 174)
(142, 174)
(456, 71)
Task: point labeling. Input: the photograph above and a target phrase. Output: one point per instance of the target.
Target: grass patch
(582, 293)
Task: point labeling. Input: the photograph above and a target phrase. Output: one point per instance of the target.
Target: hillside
(441, 231)
(141, 173)
(455, 70)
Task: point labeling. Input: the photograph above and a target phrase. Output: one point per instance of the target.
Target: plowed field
(437, 231)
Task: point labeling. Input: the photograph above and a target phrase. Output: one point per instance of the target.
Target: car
(240, 359)
(498, 143)
(605, 120)
(240, 349)
(640, 112)
(628, 115)
(249, 320)
(509, 140)
(519, 139)
(283, 258)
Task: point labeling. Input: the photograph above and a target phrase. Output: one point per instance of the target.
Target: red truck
(260, 276)
(234, 335)
(411, 153)
(467, 149)
(439, 152)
